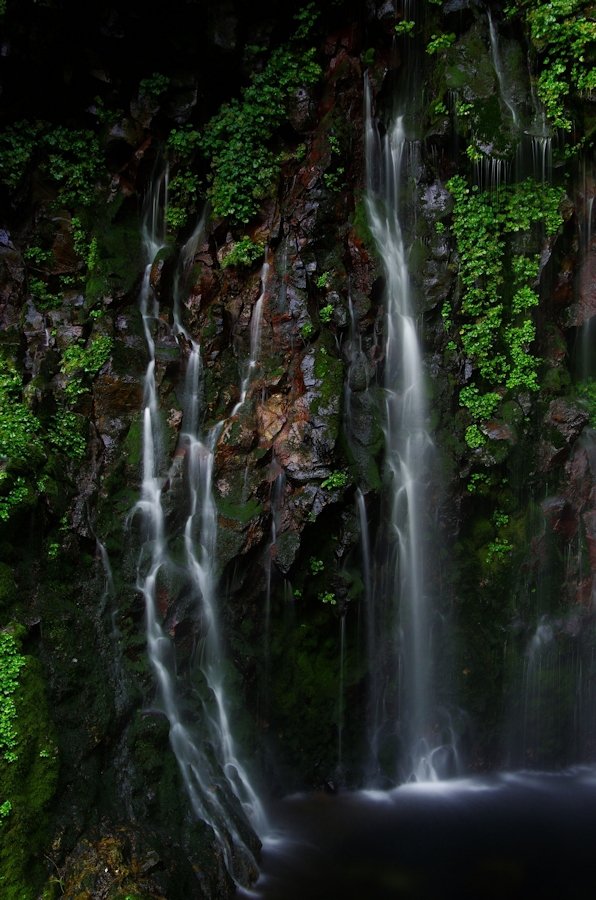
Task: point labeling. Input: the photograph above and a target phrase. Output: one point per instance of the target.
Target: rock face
(291, 388)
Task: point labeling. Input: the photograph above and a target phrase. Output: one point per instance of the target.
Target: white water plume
(212, 790)
(408, 447)
(256, 324)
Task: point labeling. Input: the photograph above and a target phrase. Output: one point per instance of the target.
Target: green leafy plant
(587, 391)
(327, 597)
(323, 280)
(316, 565)
(65, 434)
(404, 28)
(499, 547)
(243, 253)
(11, 663)
(183, 141)
(325, 313)
(497, 329)
(563, 33)
(333, 180)
(238, 140)
(78, 361)
(307, 331)
(477, 480)
(440, 42)
(183, 190)
(154, 86)
(474, 437)
(368, 58)
(334, 481)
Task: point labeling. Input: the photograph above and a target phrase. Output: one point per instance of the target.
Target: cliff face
(295, 414)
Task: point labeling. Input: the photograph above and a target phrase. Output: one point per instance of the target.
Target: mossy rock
(28, 783)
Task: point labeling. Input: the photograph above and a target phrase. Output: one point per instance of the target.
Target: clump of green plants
(19, 440)
(65, 434)
(316, 565)
(440, 42)
(323, 280)
(71, 157)
(335, 481)
(563, 33)
(368, 57)
(325, 313)
(11, 663)
(238, 141)
(477, 481)
(154, 86)
(78, 360)
(183, 142)
(182, 197)
(307, 331)
(327, 597)
(497, 329)
(243, 253)
(404, 27)
(587, 391)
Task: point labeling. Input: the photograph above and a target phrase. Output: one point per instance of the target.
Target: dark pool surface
(525, 834)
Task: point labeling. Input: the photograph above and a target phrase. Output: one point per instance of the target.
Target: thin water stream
(219, 789)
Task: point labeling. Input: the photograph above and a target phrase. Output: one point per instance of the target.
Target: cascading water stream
(500, 70)
(408, 447)
(212, 792)
(255, 335)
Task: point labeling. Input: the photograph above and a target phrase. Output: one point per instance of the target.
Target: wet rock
(567, 418)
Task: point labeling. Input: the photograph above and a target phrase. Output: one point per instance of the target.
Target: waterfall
(255, 335)
(408, 448)
(498, 67)
(219, 790)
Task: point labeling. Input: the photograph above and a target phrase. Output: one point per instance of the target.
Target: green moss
(28, 783)
(239, 512)
(133, 443)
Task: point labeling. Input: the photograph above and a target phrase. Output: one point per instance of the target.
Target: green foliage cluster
(65, 434)
(325, 313)
(563, 32)
(182, 196)
(440, 42)
(404, 27)
(237, 141)
(323, 280)
(154, 86)
(243, 253)
(327, 597)
(78, 360)
(307, 331)
(316, 565)
(182, 142)
(20, 446)
(587, 391)
(498, 328)
(11, 663)
(71, 157)
(335, 481)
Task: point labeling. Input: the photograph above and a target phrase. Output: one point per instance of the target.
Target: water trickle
(256, 324)
(212, 788)
(498, 67)
(408, 449)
